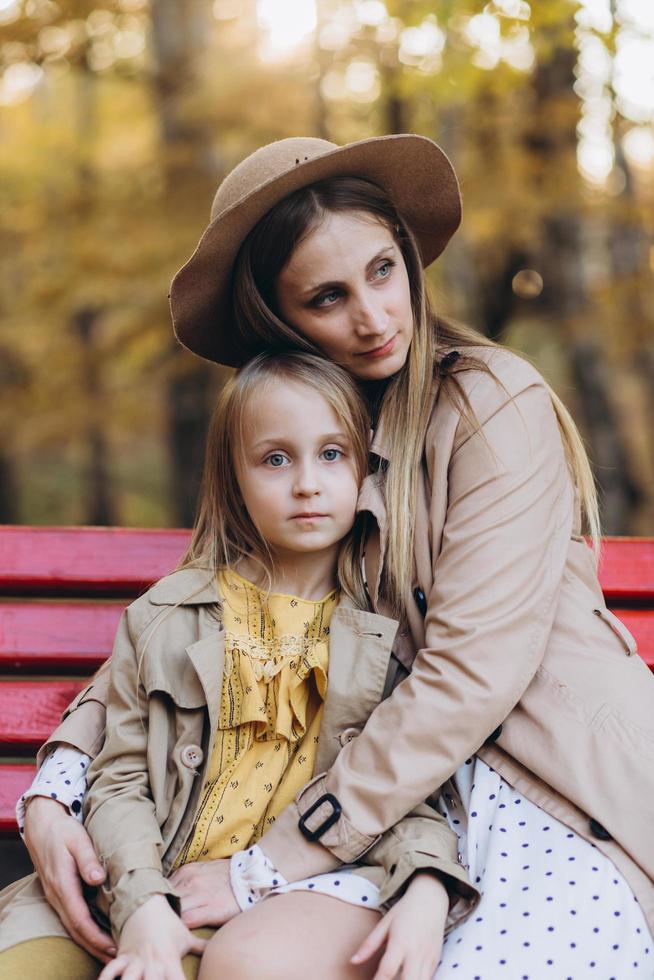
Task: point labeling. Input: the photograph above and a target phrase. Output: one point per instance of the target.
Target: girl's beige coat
(146, 780)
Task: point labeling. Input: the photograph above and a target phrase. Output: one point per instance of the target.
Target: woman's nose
(370, 317)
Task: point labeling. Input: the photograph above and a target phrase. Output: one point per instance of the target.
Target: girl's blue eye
(275, 459)
(384, 270)
(331, 455)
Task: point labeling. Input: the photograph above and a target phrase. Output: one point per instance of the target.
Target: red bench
(62, 591)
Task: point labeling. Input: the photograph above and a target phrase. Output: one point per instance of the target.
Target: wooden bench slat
(123, 561)
(14, 780)
(86, 561)
(627, 569)
(640, 623)
(30, 710)
(57, 636)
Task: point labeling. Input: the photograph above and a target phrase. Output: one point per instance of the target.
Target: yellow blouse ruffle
(274, 685)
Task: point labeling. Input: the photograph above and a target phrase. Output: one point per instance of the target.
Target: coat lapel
(207, 655)
(360, 645)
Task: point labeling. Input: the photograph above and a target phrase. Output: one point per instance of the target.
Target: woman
(510, 667)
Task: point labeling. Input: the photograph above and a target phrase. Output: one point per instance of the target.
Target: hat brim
(415, 173)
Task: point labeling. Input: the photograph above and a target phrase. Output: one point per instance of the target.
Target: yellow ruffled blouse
(274, 685)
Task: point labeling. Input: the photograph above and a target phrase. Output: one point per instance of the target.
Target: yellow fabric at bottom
(274, 685)
(55, 958)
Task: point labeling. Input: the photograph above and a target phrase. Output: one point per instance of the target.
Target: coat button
(598, 831)
(421, 601)
(493, 737)
(347, 735)
(191, 756)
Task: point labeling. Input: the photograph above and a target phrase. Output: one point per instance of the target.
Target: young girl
(231, 680)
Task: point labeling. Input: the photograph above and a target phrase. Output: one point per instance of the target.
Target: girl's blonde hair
(224, 532)
(408, 398)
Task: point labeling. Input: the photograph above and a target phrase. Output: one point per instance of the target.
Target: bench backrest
(62, 591)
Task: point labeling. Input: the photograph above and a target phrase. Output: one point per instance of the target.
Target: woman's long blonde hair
(407, 401)
(224, 532)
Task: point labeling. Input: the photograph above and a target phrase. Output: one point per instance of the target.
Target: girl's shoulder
(183, 588)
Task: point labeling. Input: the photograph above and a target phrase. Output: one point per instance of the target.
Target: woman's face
(346, 288)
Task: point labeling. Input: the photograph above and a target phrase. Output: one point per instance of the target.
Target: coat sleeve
(496, 577)
(422, 842)
(119, 810)
(83, 722)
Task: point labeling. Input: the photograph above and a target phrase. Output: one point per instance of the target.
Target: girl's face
(346, 288)
(297, 474)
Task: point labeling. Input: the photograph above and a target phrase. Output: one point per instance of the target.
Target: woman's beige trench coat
(518, 659)
(145, 784)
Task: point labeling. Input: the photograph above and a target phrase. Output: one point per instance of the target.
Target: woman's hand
(412, 932)
(63, 855)
(206, 892)
(153, 941)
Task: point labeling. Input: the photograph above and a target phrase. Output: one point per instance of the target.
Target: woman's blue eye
(275, 459)
(332, 454)
(384, 270)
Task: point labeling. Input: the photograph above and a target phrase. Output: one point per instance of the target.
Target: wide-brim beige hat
(413, 170)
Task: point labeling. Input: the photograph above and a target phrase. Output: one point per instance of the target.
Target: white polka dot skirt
(552, 905)
(345, 884)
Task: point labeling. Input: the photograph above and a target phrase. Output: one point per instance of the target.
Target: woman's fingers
(182, 876)
(372, 942)
(83, 853)
(206, 893)
(134, 969)
(415, 967)
(65, 893)
(196, 945)
(61, 851)
(390, 963)
(174, 971)
(114, 968)
(197, 916)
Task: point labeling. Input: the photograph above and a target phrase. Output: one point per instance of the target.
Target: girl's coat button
(191, 756)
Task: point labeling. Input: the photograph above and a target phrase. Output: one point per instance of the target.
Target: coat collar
(186, 587)
(378, 443)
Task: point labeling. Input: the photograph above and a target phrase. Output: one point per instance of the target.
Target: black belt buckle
(315, 835)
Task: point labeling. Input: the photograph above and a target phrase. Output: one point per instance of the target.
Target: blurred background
(118, 118)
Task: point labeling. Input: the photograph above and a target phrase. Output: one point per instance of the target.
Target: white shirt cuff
(252, 876)
(62, 777)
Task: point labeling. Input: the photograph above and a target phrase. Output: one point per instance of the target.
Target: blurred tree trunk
(396, 110)
(84, 319)
(99, 506)
(13, 378)
(8, 491)
(620, 494)
(552, 141)
(180, 30)
(321, 66)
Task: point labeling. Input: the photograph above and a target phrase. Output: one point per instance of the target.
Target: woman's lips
(380, 351)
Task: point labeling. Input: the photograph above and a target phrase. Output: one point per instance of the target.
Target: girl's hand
(207, 896)
(153, 941)
(63, 855)
(412, 932)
